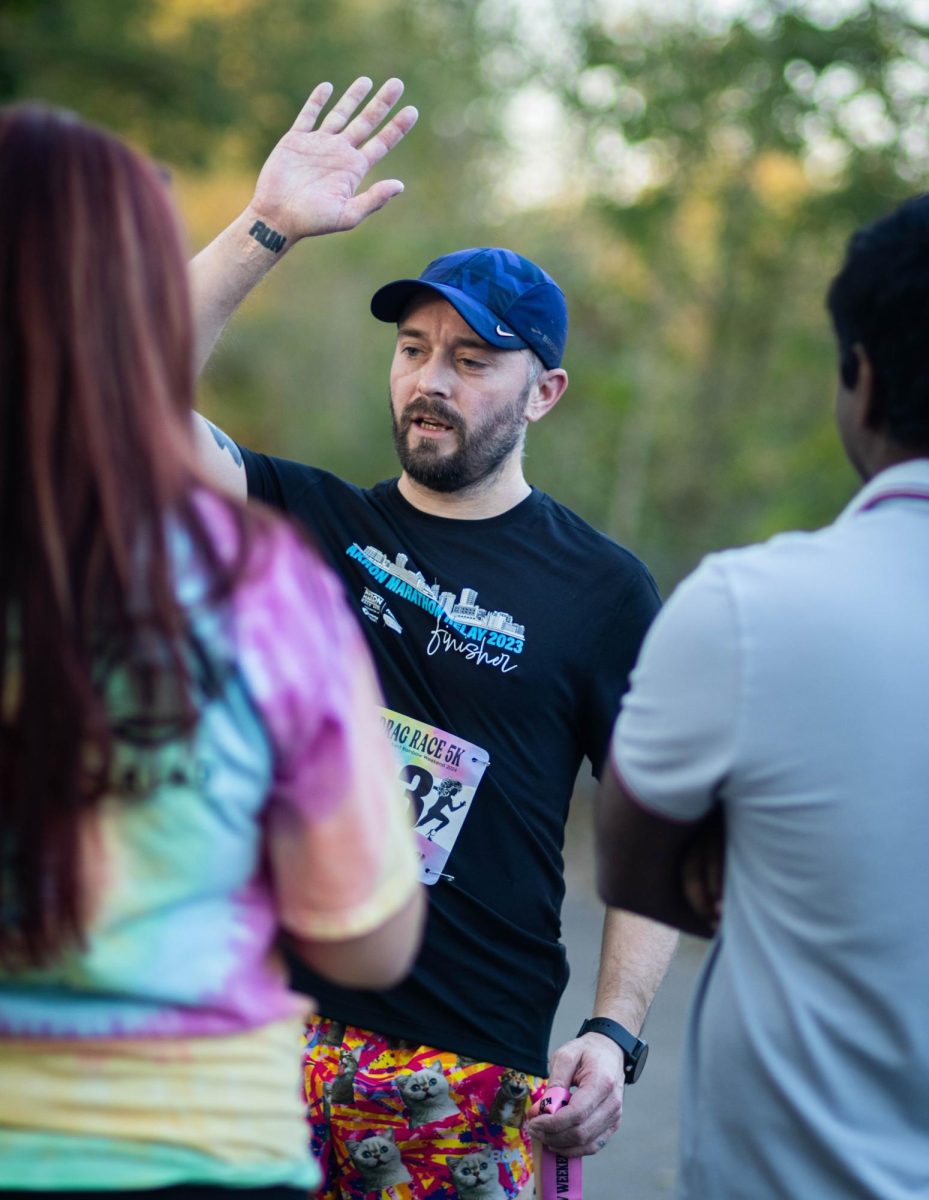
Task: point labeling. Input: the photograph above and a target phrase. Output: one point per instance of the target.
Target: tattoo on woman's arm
(225, 442)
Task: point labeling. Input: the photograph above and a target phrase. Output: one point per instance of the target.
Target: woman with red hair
(190, 754)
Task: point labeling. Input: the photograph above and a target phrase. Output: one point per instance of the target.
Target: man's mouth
(430, 425)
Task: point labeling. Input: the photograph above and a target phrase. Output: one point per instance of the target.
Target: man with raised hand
(504, 629)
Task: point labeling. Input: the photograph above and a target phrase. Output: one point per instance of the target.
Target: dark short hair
(880, 301)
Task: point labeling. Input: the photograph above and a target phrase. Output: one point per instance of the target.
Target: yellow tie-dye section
(127, 1114)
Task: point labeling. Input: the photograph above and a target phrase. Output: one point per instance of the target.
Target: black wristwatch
(635, 1051)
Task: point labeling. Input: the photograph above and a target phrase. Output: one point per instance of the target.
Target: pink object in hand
(561, 1176)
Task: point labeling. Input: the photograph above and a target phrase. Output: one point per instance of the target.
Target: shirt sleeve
(615, 653)
(262, 478)
(338, 840)
(674, 743)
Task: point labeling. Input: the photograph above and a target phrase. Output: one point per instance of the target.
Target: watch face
(635, 1062)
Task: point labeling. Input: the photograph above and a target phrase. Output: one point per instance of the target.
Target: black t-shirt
(513, 636)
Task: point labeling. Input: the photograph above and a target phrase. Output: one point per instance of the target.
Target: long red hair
(96, 453)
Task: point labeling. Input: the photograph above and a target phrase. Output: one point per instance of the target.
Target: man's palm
(309, 184)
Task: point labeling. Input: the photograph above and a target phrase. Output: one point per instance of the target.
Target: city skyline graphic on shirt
(461, 610)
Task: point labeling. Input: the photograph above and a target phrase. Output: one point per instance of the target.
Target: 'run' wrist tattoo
(269, 238)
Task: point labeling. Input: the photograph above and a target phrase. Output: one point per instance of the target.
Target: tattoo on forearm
(225, 442)
(269, 238)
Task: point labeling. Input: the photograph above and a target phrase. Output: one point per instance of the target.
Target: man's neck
(488, 498)
(883, 452)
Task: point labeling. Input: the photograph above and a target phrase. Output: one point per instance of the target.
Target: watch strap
(634, 1049)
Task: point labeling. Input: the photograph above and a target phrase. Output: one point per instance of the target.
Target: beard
(481, 451)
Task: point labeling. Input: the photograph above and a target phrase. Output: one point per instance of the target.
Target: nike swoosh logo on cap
(504, 333)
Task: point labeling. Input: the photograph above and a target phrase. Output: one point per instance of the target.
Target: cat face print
(514, 1085)
(420, 1087)
(378, 1160)
(511, 1102)
(343, 1089)
(348, 1062)
(426, 1095)
(476, 1176)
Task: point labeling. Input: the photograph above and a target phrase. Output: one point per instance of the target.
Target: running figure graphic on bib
(446, 790)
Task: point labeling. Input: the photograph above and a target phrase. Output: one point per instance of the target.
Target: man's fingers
(701, 881)
(575, 1113)
(580, 1140)
(367, 119)
(369, 201)
(338, 117)
(582, 1106)
(584, 1136)
(394, 131)
(358, 126)
(309, 114)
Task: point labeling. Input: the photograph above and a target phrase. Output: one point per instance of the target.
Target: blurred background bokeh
(689, 170)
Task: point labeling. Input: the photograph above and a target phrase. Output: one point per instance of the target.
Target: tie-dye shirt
(167, 1050)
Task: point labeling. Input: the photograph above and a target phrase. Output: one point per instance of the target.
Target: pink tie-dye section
(331, 834)
(338, 840)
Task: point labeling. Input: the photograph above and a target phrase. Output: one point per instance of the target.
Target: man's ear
(857, 375)
(872, 410)
(848, 368)
(548, 390)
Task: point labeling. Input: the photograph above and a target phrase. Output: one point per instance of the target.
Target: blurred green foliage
(691, 182)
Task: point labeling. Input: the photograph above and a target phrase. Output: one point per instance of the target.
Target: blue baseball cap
(506, 299)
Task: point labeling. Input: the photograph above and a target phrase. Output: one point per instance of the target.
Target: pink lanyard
(561, 1176)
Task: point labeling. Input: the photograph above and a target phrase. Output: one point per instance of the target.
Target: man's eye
(472, 363)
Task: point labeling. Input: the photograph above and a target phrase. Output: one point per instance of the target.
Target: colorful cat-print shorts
(413, 1122)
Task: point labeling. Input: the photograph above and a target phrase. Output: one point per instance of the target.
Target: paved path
(639, 1163)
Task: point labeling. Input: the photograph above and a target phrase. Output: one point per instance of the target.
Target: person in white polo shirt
(777, 730)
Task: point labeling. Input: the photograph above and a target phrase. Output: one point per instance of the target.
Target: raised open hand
(309, 184)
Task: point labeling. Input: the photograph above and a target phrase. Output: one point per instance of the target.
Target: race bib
(439, 773)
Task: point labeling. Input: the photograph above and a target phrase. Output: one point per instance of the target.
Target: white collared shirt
(791, 681)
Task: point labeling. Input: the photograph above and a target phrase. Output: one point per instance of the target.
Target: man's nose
(435, 376)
